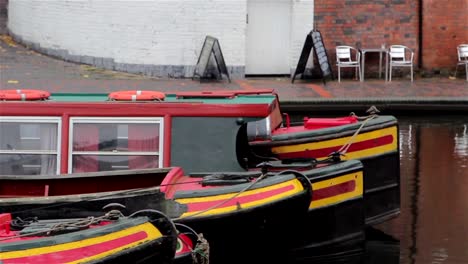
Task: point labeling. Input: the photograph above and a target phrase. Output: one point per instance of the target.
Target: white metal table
(382, 51)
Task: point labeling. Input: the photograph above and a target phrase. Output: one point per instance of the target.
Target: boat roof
(204, 103)
(210, 97)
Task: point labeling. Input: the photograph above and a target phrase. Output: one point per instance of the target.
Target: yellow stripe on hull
(151, 231)
(296, 184)
(391, 131)
(357, 192)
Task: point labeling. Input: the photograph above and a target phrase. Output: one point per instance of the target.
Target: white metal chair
(462, 51)
(344, 59)
(400, 56)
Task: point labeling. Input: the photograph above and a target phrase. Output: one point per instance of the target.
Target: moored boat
(200, 132)
(86, 194)
(229, 208)
(336, 213)
(372, 139)
(250, 205)
(145, 237)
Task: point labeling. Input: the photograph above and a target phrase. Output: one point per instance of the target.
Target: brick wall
(445, 25)
(368, 23)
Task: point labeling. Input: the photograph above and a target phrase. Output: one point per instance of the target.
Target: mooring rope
(201, 250)
(114, 193)
(98, 197)
(78, 223)
(225, 201)
(345, 147)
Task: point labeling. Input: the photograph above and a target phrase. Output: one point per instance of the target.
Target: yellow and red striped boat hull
(375, 142)
(123, 240)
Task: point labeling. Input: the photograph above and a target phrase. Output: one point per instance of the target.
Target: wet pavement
(22, 68)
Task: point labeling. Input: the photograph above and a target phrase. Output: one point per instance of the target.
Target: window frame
(38, 120)
(116, 121)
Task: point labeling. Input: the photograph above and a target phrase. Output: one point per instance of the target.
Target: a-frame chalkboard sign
(210, 48)
(314, 40)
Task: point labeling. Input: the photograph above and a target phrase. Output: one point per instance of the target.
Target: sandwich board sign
(314, 40)
(210, 50)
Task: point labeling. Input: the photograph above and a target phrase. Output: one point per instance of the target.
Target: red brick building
(431, 28)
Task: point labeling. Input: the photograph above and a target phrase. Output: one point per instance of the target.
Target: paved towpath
(21, 67)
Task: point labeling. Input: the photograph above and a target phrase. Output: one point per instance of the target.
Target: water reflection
(461, 144)
(378, 247)
(432, 227)
(433, 224)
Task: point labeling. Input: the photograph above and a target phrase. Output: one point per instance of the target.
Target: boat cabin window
(29, 145)
(104, 144)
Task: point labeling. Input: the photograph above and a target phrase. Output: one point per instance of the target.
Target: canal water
(433, 224)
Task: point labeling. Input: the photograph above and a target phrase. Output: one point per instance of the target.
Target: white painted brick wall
(143, 32)
(154, 32)
(302, 23)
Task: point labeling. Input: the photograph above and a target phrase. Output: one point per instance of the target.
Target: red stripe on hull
(327, 192)
(323, 152)
(79, 253)
(193, 207)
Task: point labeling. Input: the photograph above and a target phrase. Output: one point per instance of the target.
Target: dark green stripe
(273, 180)
(334, 132)
(101, 97)
(334, 170)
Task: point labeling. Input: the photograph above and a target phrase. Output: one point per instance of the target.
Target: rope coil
(73, 224)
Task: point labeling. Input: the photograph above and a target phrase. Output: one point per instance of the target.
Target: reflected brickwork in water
(432, 227)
